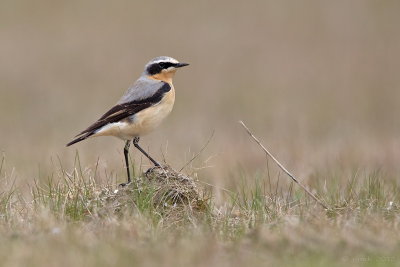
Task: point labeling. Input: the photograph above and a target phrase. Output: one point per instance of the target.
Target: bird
(145, 104)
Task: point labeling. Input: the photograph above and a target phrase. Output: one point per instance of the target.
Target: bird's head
(163, 68)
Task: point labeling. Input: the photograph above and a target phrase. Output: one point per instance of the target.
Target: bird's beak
(180, 65)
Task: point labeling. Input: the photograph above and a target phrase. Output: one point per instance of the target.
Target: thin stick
(281, 166)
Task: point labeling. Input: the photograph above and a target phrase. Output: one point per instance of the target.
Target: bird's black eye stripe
(158, 67)
(166, 65)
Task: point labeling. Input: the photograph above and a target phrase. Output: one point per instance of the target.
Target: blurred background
(317, 82)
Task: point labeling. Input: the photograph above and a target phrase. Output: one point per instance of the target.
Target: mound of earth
(171, 194)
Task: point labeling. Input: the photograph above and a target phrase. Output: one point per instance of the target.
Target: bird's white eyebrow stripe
(165, 60)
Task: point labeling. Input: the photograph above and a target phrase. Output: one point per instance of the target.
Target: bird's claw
(152, 168)
(124, 184)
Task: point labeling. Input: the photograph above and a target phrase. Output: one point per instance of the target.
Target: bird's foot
(150, 170)
(124, 184)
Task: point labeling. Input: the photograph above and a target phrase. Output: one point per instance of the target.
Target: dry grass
(163, 217)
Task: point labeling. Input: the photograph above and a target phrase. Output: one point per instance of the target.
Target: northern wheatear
(141, 109)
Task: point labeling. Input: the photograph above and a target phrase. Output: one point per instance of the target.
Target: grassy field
(75, 218)
(317, 82)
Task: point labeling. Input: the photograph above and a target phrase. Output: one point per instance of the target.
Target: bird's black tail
(80, 138)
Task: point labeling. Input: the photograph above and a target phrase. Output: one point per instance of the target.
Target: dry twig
(282, 167)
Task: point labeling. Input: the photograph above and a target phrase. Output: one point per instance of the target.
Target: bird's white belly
(142, 122)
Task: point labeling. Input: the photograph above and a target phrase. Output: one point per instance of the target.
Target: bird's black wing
(123, 111)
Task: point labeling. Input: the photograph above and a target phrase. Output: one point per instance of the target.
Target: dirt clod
(171, 194)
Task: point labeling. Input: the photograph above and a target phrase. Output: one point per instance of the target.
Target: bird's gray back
(143, 88)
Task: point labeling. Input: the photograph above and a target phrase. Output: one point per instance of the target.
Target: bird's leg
(126, 154)
(135, 142)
